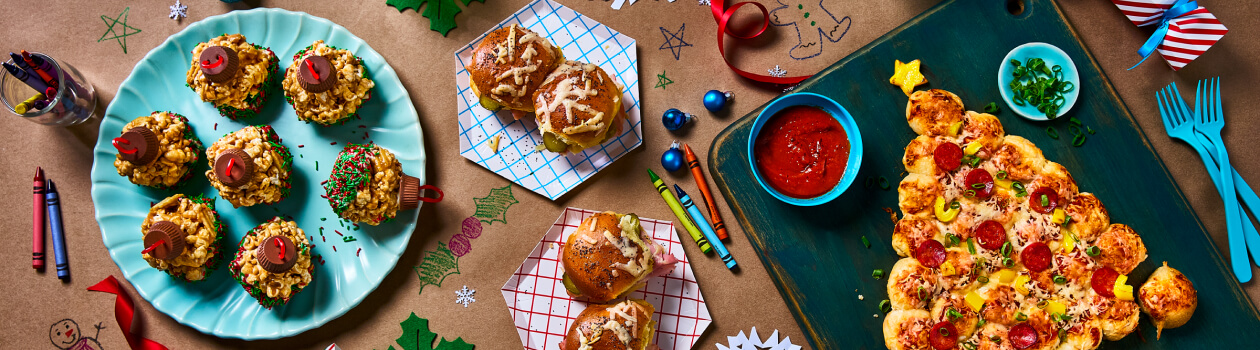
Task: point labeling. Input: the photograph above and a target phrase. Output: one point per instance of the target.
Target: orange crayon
(694, 164)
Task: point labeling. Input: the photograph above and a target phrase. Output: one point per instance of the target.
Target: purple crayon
(33, 81)
(26, 56)
(21, 63)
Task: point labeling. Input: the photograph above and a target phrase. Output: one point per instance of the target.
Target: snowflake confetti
(754, 342)
(178, 11)
(705, 2)
(777, 72)
(465, 296)
(790, 88)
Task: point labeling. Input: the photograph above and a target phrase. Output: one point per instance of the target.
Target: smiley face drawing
(65, 334)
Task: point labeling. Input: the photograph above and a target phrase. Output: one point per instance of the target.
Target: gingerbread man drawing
(812, 22)
(65, 335)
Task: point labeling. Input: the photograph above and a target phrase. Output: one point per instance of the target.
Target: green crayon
(678, 212)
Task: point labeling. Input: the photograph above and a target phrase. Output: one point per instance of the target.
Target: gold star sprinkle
(907, 76)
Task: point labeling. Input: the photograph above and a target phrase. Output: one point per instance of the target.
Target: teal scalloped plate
(218, 305)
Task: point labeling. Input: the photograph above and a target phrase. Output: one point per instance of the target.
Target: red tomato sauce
(802, 151)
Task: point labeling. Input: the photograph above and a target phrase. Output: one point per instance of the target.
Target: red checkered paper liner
(543, 311)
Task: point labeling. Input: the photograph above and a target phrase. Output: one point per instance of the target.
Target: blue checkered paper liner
(546, 173)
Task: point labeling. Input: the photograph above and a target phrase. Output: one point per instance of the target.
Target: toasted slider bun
(596, 267)
(578, 106)
(624, 325)
(508, 65)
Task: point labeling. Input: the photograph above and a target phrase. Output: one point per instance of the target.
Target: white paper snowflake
(777, 72)
(754, 342)
(705, 2)
(790, 88)
(465, 296)
(178, 11)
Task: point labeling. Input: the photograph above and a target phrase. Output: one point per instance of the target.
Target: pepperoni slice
(1103, 281)
(990, 234)
(948, 156)
(1036, 256)
(1052, 200)
(1022, 336)
(931, 253)
(943, 336)
(981, 181)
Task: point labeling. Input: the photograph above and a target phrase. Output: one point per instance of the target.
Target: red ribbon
(311, 66)
(722, 16)
(118, 142)
(124, 311)
(207, 65)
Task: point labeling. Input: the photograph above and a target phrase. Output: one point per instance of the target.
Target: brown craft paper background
(68, 30)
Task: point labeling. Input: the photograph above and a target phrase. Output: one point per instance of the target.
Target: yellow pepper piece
(494, 143)
(1003, 183)
(943, 212)
(955, 128)
(1020, 281)
(1055, 307)
(1069, 244)
(1124, 292)
(975, 301)
(907, 76)
(947, 269)
(972, 148)
(1059, 216)
(1004, 275)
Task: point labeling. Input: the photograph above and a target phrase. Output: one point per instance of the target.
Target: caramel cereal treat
(234, 75)
(250, 167)
(196, 224)
(326, 85)
(157, 150)
(273, 262)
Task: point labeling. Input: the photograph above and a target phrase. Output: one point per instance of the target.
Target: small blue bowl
(1053, 56)
(841, 115)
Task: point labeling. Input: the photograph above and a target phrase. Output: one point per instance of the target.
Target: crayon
(58, 234)
(39, 105)
(704, 227)
(678, 211)
(47, 66)
(696, 172)
(21, 63)
(30, 79)
(26, 56)
(21, 108)
(37, 221)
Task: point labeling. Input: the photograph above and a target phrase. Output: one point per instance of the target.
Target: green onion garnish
(1054, 134)
(943, 331)
(991, 108)
(1018, 186)
(1075, 130)
(883, 183)
(1020, 316)
(953, 314)
(953, 239)
(885, 306)
(954, 205)
(978, 186)
(866, 242)
(969, 193)
(971, 247)
(1059, 279)
(1078, 141)
(1089, 130)
(983, 279)
(1042, 304)
(1040, 85)
(1074, 121)
(1006, 249)
(1045, 200)
(1008, 262)
(877, 274)
(1093, 251)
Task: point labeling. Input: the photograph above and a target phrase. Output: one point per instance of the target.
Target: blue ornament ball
(716, 100)
(672, 159)
(674, 119)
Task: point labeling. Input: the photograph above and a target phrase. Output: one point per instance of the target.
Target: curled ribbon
(124, 311)
(118, 142)
(207, 65)
(722, 16)
(1178, 9)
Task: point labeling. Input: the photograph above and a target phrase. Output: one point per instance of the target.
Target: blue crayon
(21, 63)
(22, 75)
(58, 234)
(707, 229)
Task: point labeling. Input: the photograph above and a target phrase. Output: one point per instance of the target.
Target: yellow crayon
(678, 212)
(22, 107)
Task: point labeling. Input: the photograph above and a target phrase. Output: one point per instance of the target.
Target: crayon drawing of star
(121, 38)
(661, 80)
(676, 49)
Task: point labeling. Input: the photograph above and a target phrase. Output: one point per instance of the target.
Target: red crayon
(696, 172)
(37, 221)
(26, 56)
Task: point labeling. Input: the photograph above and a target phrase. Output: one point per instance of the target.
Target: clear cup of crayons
(40, 89)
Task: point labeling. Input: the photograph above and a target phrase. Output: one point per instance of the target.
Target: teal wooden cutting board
(815, 254)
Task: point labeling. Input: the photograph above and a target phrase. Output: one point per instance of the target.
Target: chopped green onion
(885, 306)
(953, 314)
(996, 339)
(943, 331)
(978, 186)
(981, 323)
(877, 274)
(1015, 62)
(1075, 130)
(991, 108)
(1059, 279)
(1045, 200)
(1074, 121)
(923, 294)
(1020, 316)
(866, 242)
(1001, 175)
(1042, 304)
(954, 205)
(1054, 134)
(1066, 220)
(1078, 141)
(1007, 249)
(969, 346)
(1093, 251)
(1089, 130)
(1008, 262)
(883, 183)
(969, 193)
(1062, 335)
(983, 279)
(1018, 186)
(953, 239)
(971, 247)
(1065, 317)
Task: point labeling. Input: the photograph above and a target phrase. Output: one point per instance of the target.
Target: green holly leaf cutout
(416, 336)
(441, 13)
(493, 207)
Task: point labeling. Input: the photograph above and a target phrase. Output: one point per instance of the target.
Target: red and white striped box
(543, 311)
(1189, 35)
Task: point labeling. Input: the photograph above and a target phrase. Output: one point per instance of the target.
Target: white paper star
(178, 11)
(465, 296)
(754, 342)
(777, 72)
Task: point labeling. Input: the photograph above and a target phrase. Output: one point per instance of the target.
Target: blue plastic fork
(1179, 123)
(1244, 190)
(1210, 122)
